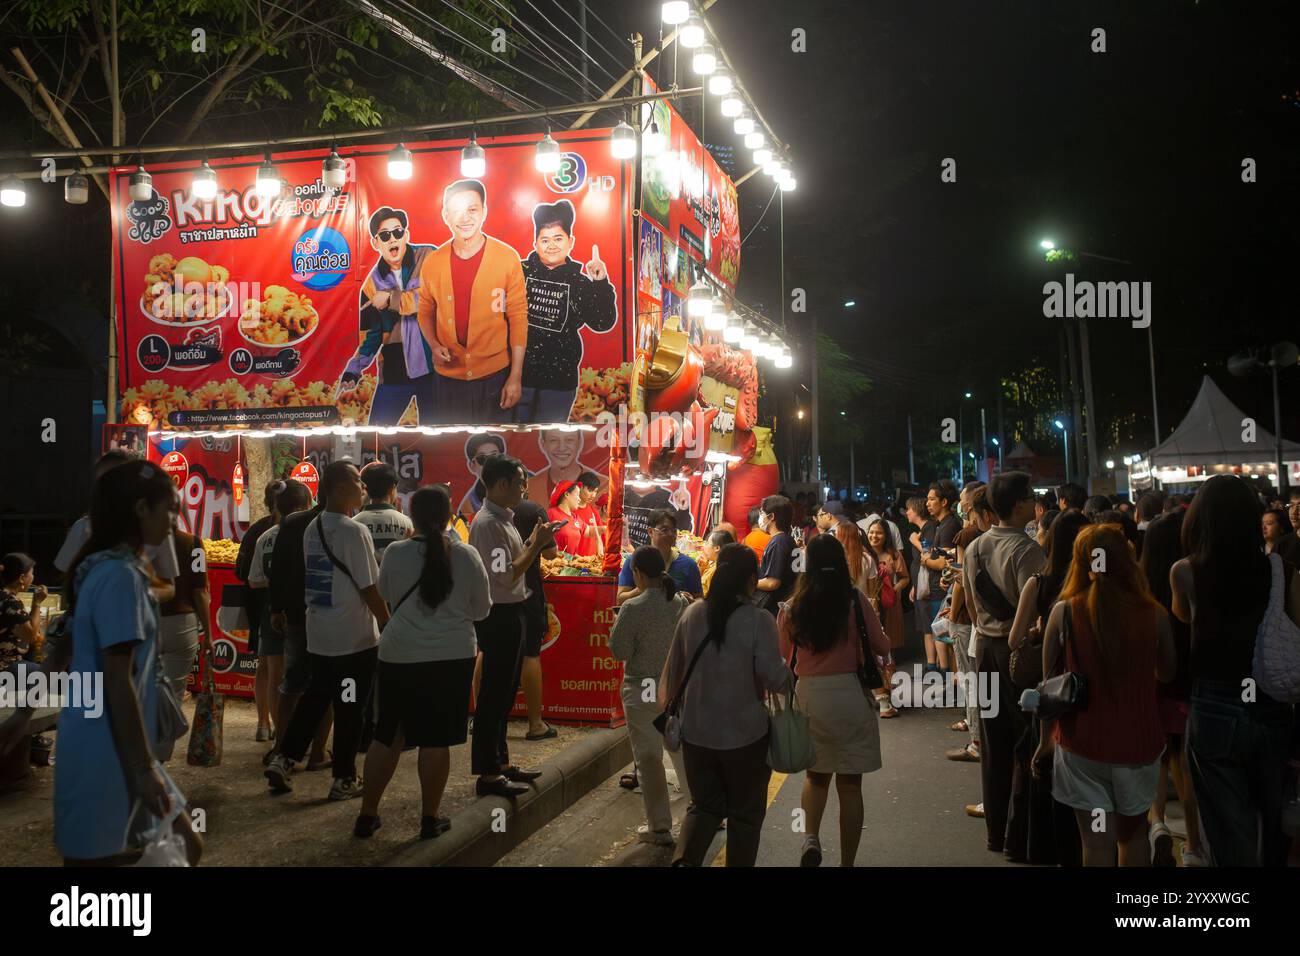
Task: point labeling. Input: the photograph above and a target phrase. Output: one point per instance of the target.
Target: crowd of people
(385, 628)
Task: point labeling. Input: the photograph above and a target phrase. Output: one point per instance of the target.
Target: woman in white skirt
(820, 638)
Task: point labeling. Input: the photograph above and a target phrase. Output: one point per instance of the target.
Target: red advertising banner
(234, 667)
(686, 193)
(322, 306)
(580, 680)
(204, 471)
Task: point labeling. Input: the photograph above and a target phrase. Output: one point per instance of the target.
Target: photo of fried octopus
(280, 317)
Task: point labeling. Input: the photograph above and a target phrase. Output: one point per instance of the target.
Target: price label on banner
(237, 484)
(306, 472)
(176, 467)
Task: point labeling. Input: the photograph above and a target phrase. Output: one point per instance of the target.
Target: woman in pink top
(819, 634)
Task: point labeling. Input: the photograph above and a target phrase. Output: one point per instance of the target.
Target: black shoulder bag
(667, 723)
(1067, 692)
(868, 672)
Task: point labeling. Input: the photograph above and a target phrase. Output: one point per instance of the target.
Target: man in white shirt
(501, 634)
(344, 615)
(161, 557)
(380, 515)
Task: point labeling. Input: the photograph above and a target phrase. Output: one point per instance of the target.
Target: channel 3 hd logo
(570, 177)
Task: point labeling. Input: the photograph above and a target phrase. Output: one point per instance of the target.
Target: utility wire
(589, 36)
(561, 64)
(760, 217)
(520, 48)
(443, 28)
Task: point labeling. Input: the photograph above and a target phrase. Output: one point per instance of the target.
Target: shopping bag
(206, 734)
(790, 746)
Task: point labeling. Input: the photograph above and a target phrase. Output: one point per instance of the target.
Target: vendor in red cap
(565, 505)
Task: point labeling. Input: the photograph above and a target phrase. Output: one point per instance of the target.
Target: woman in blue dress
(108, 789)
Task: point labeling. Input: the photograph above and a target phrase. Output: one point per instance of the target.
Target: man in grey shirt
(997, 565)
(501, 634)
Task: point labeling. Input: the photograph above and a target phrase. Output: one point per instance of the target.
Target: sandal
(961, 726)
(546, 734)
(629, 781)
(888, 710)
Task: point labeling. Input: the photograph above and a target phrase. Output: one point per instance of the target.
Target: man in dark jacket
(563, 296)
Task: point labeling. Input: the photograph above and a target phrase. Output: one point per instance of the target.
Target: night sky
(1133, 154)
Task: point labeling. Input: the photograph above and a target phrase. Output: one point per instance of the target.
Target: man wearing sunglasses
(388, 304)
(479, 449)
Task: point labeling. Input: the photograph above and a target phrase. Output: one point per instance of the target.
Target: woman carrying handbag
(721, 715)
(821, 636)
(1107, 637)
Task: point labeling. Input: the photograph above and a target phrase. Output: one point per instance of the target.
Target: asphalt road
(915, 813)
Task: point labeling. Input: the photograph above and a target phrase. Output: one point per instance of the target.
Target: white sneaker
(346, 788)
(658, 837)
(1192, 858)
(1162, 844)
(278, 773)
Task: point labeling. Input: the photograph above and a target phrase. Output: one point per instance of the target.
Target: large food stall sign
(320, 306)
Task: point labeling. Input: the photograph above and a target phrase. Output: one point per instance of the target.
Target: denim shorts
(297, 665)
(927, 609)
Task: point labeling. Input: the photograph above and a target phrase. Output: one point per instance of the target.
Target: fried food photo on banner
(152, 401)
(601, 390)
(185, 290)
(280, 317)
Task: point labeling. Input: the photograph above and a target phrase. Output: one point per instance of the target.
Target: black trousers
(998, 736)
(501, 639)
(344, 681)
(726, 785)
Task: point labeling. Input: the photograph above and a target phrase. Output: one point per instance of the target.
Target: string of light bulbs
(722, 82)
(268, 181)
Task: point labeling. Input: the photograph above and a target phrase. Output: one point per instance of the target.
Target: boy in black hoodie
(563, 296)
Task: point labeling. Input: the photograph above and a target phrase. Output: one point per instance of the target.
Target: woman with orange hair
(1108, 629)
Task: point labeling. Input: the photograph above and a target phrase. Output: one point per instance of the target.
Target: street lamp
(1065, 441)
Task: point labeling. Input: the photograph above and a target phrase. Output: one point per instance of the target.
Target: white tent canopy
(1212, 434)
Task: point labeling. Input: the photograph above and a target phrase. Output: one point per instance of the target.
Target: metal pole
(911, 464)
(1155, 405)
(1002, 431)
(984, 447)
(1091, 411)
(582, 25)
(960, 409)
(853, 478)
(1277, 436)
(1065, 440)
(1074, 397)
(813, 418)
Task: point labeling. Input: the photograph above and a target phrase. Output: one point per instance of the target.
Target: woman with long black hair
(1236, 749)
(109, 791)
(436, 589)
(731, 650)
(820, 638)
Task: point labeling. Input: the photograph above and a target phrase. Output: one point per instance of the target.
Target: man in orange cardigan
(473, 312)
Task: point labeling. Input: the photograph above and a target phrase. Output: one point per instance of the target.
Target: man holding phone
(501, 634)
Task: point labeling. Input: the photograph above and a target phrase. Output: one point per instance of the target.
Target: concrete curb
(574, 773)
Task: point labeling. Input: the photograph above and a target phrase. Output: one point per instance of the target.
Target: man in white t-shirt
(380, 515)
(344, 615)
(162, 557)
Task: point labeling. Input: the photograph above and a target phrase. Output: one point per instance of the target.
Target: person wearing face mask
(474, 314)
(564, 296)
